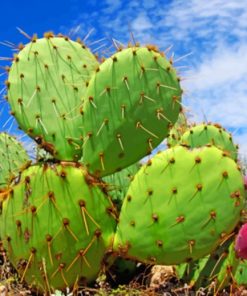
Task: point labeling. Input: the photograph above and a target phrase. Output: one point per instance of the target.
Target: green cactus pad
(228, 269)
(177, 130)
(13, 158)
(216, 266)
(130, 103)
(213, 134)
(241, 273)
(180, 206)
(119, 182)
(46, 82)
(56, 225)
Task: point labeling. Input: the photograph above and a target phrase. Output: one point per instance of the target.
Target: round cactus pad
(213, 134)
(46, 82)
(131, 101)
(56, 225)
(180, 206)
(13, 158)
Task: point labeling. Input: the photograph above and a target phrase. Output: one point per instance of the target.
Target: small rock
(161, 274)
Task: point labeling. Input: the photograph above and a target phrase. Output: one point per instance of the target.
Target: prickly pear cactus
(130, 103)
(213, 134)
(177, 130)
(180, 206)
(13, 158)
(240, 275)
(118, 183)
(56, 225)
(215, 267)
(46, 81)
(228, 269)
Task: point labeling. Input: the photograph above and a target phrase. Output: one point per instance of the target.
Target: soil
(147, 281)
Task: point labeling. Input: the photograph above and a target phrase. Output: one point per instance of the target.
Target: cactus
(130, 103)
(213, 134)
(56, 225)
(158, 220)
(12, 158)
(177, 130)
(57, 220)
(46, 81)
(226, 274)
(215, 269)
(118, 183)
(240, 275)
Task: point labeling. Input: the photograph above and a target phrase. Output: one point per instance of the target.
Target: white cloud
(141, 23)
(226, 65)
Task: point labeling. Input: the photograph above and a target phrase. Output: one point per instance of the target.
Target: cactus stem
(139, 125)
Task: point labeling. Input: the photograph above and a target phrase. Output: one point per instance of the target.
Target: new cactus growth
(210, 134)
(56, 225)
(46, 81)
(130, 103)
(158, 220)
(13, 158)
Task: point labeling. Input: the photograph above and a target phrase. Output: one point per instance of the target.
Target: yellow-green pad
(180, 206)
(13, 158)
(46, 82)
(177, 130)
(130, 103)
(56, 225)
(210, 134)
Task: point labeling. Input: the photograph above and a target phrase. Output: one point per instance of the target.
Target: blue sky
(212, 33)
